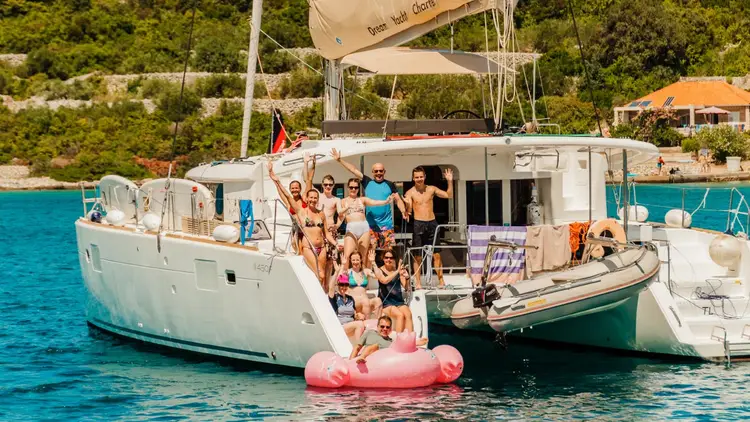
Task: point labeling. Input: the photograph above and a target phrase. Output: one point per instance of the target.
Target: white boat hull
(180, 297)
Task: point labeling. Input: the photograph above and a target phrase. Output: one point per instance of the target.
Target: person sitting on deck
(344, 307)
(359, 278)
(392, 281)
(372, 341)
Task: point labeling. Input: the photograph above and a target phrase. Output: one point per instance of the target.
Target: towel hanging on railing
(507, 266)
(246, 212)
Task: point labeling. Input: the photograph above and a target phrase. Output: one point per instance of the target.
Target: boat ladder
(733, 348)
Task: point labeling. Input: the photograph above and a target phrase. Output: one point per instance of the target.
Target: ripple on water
(53, 366)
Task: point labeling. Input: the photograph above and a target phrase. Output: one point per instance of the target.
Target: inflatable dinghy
(593, 287)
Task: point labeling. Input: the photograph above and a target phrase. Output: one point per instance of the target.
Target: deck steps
(705, 327)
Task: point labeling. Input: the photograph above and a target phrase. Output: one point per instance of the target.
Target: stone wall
(118, 84)
(13, 60)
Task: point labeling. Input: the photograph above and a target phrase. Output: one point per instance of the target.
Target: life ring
(616, 232)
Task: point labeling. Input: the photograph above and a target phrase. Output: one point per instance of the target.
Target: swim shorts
(424, 233)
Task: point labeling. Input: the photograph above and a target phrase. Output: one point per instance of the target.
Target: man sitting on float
(372, 341)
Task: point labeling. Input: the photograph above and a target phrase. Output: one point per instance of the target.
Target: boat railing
(737, 210)
(426, 252)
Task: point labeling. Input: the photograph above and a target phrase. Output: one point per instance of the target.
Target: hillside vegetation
(633, 47)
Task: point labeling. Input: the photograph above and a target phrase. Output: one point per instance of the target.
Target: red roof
(697, 93)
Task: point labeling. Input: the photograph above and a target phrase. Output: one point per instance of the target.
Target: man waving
(419, 200)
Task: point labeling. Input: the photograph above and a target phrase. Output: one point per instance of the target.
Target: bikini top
(353, 281)
(358, 208)
(310, 223)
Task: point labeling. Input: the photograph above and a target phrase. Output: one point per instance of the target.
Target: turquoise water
(708, 203)
(52, 367)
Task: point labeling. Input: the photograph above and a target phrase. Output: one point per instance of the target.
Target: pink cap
(343, 279)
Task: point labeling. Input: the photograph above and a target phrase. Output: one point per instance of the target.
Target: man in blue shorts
(377, 187)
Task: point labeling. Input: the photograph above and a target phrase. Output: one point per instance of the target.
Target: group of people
(366, 212)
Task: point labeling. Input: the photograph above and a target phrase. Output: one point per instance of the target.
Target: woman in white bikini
(352, 209)
(313, 224)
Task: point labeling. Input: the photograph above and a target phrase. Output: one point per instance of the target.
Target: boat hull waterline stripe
(101, 324)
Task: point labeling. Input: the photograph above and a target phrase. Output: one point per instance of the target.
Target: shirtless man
(330, 203)
(419, 200)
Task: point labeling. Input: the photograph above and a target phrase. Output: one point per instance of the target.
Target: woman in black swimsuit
(393, 280)
(313, 223)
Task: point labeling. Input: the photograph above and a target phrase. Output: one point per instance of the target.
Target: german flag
(278, 133)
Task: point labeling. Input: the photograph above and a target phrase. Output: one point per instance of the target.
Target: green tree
(723, 141)
(175, 110)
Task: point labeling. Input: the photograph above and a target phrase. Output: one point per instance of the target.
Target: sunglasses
(328, 185)
(353, 187)
(378, 171)
(385, 327)
(387, 257)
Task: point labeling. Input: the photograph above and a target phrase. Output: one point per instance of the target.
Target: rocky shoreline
(16, 178)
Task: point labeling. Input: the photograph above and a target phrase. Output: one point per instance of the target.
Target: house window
(685, 120)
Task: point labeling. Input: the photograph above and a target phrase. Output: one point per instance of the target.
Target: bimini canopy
(226, 171)
(408, 61)
(341, 27)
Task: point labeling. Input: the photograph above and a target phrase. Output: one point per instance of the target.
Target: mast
(252, 60)
(533, 95)
(334, 82)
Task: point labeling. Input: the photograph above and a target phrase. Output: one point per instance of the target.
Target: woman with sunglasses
(313, 224)
(345, 307)
(352, 211)
(393, 280)
(359, 279)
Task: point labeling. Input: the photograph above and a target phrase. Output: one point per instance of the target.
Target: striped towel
(506, 267)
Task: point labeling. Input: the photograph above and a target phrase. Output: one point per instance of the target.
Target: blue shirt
(379, 217)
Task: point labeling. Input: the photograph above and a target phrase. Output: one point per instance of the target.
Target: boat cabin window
(217, 190)
(520, 196)
(475, 202)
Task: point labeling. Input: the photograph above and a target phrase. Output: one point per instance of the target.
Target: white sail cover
(341, 27)
(409, 61)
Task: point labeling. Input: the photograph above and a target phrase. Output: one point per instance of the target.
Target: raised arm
(308, 174)
(286, 197)
(449, 193)
(386, 279)
(369, 202)
(353, 170)
(334, 280)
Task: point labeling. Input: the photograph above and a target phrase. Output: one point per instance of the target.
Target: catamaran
(164, 265)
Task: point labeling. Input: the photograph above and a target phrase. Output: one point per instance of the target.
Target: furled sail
(340, 27)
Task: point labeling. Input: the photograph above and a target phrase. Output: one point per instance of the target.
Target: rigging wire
(585, 67)
(176, 126)
(288, 51)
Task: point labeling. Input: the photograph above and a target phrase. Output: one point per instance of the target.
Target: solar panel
(634, 104)
(668, 102)
(645, 103)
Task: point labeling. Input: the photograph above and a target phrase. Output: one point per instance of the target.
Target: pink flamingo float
(402, 365)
